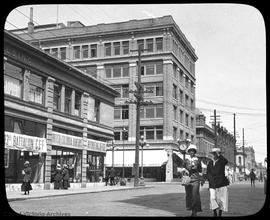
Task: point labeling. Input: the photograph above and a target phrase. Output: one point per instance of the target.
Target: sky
(229, 40)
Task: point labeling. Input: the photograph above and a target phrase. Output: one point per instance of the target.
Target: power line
(231, 106)
(230, 112)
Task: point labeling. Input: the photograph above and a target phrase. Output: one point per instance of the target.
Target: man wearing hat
(58, 177)
(65, 177)
(192, 166)
(218, 182)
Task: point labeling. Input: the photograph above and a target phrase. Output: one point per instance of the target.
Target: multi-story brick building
(168, 69)
(52, 116)
(205, 136)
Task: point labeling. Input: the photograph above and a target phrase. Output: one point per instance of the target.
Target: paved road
(159, 200)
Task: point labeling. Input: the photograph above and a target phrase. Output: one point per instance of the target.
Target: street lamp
(183, 145)
(124, 132)
(142, 143)
(112, 145)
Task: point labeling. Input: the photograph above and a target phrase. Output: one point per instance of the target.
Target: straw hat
(215, 150)
(192, 147)
(26, 162)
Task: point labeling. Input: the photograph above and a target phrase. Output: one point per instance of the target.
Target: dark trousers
(112, 183)
(252, 181)
(65, 184)
(193, 199)
(106, 181)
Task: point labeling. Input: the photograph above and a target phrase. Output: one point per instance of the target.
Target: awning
(151, 158)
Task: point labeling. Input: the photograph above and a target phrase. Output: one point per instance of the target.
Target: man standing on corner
(218, 183)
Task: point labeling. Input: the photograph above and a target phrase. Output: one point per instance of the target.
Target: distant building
(104, 51)
(250, 162)
(205, 136)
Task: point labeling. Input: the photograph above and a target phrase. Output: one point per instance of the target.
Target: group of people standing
(110, 176)
(215, 174)
(61, 177)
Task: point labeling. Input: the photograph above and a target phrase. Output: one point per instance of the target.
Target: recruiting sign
(25, 142)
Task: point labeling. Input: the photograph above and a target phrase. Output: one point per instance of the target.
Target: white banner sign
(25, 142)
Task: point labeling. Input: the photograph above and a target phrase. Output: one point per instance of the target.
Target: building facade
(105, 51)
(52, 114)
(205, 136)
(226, 142)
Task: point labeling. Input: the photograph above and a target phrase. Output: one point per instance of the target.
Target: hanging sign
(25, 143)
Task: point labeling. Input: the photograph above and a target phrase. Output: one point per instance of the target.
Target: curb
(76, 193)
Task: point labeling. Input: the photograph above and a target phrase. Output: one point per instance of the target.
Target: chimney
(30, 23)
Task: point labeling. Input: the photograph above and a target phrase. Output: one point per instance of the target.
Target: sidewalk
(35, 194)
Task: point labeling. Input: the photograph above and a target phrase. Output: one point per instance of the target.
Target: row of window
(86, 51)
(183, 79)
(189, 102)
(181, 135)
(181, 117)
(14, 84)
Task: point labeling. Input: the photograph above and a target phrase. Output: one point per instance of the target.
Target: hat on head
(192, 147)
(26, 162)
(188, 140)
(215, 150)
(65, 165)
(58, 165)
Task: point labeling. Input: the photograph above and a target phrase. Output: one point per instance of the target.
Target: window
(93, 50)
(159, 89)
(174, 91)
(159, 68)
(150, 133)
(191, 104)
(187, 135)
(55, 52)
(116, 71)
(181, 73)
(181, 116)
(186, 119)
(140, 44)
(181, 96)
(56, 96)
(191, 122)
(125, 112)
(186, 82)
(186, 101)
(159, 111)
(108, 49)
(174, 112)
(125, 89)
(142, 112)
(116, 48)
(159, 132)
(6, 157)
(150, 112)
(125, 71)
(174, 133)
(142, 70)
(36, 92)
(13, 80)
(149, 45)
(117, 113)
(108, 71)
(77, 109)
(91, 70)
(76, 52)
(181, 134)
(159, 44)
(63, 53)
(85, 50)
(125, 134)
(149, 88)
(47, 50)
(175, 71)
(117, 135)
(97, 110)
(68, 94)
(125, 45)
(150, 69)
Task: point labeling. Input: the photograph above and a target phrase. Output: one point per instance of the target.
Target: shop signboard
(94, 145)
(25, 143)
(66, 140)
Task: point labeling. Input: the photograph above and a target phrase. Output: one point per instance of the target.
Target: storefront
(24, 140)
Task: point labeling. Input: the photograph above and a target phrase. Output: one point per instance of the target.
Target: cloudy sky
(229, 40)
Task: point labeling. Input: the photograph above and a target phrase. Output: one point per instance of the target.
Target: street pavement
(155, 199)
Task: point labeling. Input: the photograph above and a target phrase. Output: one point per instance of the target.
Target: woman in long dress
(27, 171)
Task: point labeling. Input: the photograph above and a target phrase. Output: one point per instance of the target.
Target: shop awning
(151, 158)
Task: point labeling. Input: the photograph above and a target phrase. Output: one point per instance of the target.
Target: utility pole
(139, 102)
(244, 150)
(215, 117)
(234, 135)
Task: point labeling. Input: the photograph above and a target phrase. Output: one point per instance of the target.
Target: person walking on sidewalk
(65, 177)
(58, 177)
(27, 171)
(107, 176)
(112, 176)
(252, 178)
(218, 182)
(193, 167)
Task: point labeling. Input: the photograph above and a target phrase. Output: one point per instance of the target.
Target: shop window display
(95, 167)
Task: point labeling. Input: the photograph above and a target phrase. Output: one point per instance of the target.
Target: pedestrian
(65, 174)
(27, 171)
(193, 168)
(252, 178)
(261, 176)
(112, 176)
(58, 177)
(218, 182)
(107, 176)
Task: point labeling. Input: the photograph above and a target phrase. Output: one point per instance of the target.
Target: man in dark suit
(218, 182)
(112, 175)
